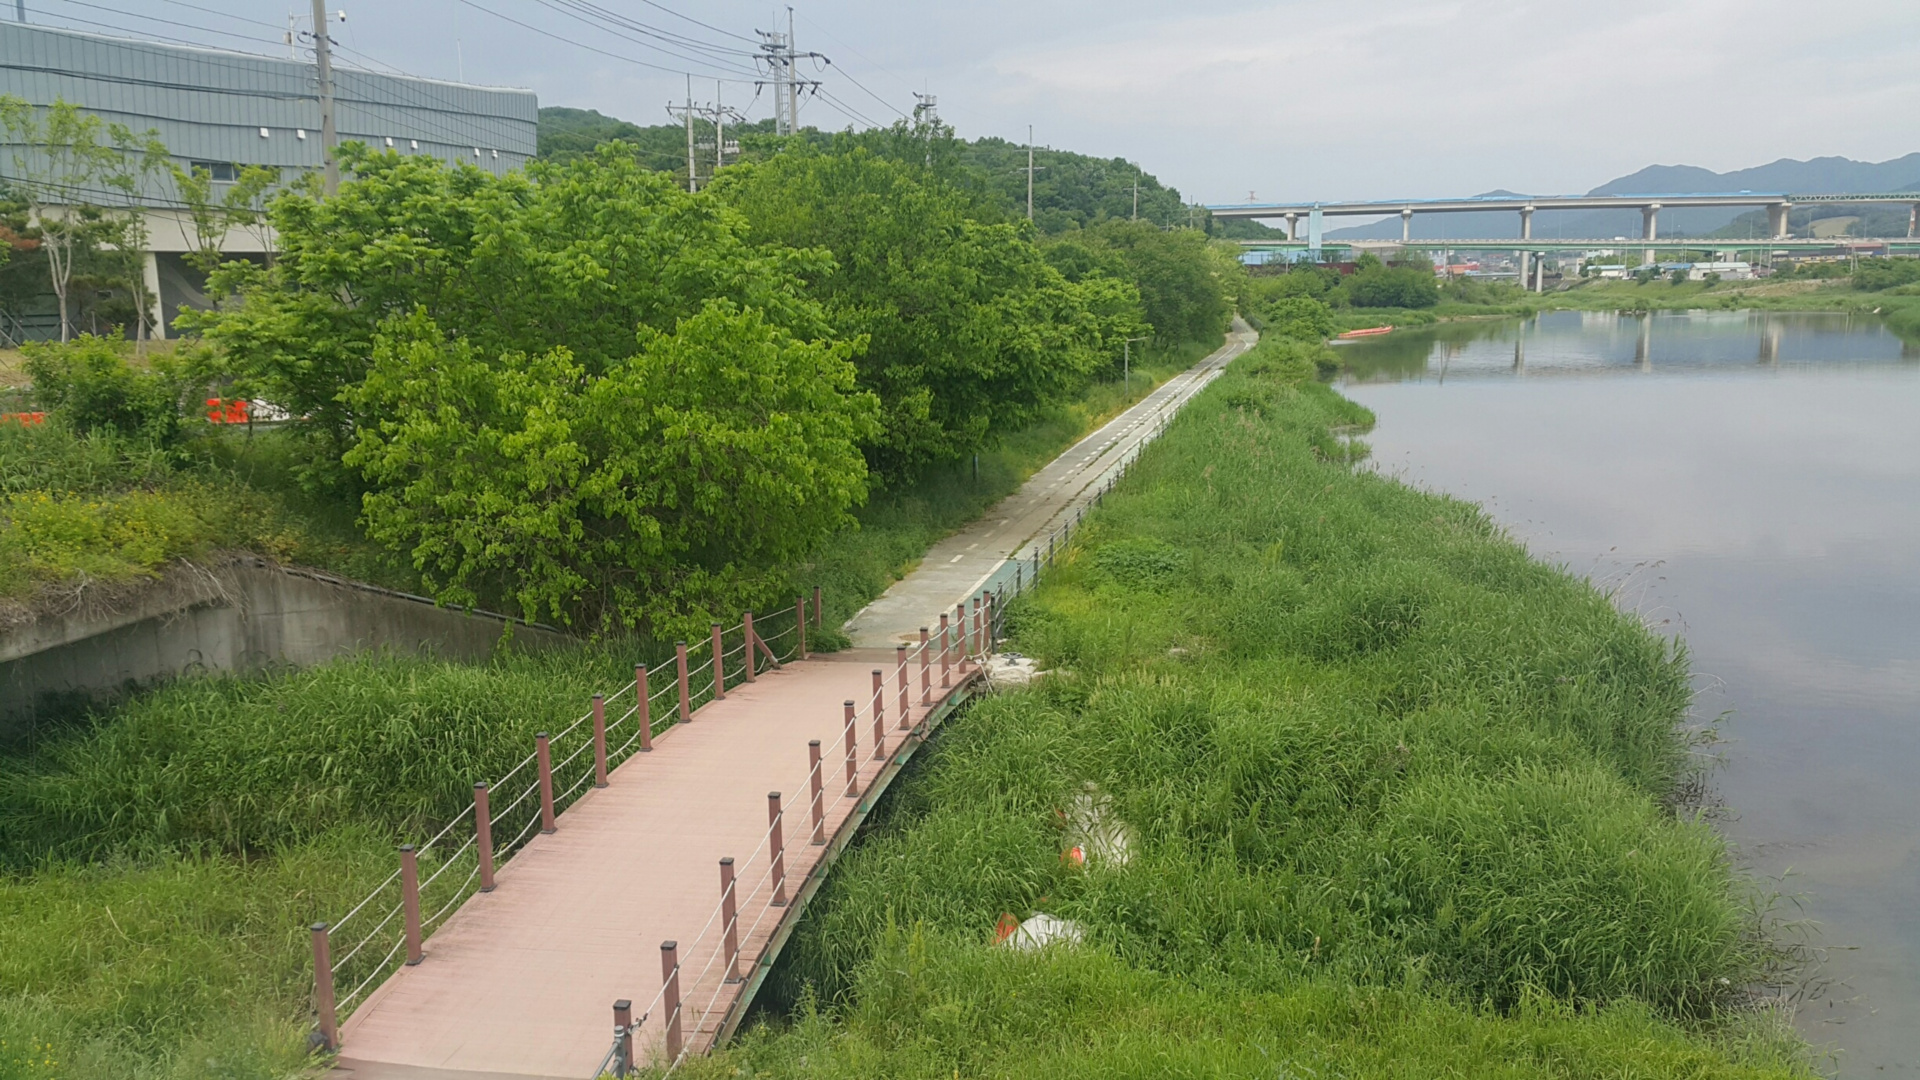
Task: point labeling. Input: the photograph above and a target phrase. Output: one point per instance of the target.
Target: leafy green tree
(970, 331)
(1377, 285)
(579, 254)
(211, 219)
(1187, 286)
(90, 385)
(1299, 317)
(661, 488)
(79, 176)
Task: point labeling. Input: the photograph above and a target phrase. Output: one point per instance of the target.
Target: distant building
(223, 111)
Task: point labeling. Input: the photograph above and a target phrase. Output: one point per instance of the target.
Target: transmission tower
(782, 61)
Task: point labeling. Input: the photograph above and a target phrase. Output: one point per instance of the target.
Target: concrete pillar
(1293, 226)
(1406, 224)
(1777, 221)
(1526, 233)
(150, 277)
(1649, 230)
(1913, 221)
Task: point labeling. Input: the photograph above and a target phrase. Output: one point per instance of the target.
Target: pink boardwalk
(520, 982)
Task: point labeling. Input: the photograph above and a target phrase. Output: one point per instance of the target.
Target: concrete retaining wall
(238, 616)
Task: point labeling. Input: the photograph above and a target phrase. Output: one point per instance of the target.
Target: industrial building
(224, 111)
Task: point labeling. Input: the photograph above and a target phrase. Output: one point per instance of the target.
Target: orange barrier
(23, 418)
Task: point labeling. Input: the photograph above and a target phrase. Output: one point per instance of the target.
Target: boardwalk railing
(389, 926)
(694, 1005)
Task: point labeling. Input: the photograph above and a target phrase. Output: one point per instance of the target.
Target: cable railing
(388, 927)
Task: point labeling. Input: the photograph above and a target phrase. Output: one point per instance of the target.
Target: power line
(573, 10)
(862, 86)
(579, 45)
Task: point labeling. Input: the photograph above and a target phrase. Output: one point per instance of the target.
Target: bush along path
(1328, 779)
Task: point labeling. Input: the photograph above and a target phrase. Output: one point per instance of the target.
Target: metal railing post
(960, 634)
(746, 626)
(879, 715)
(800, 628)
(926, 670)
(323, 989)
(986, 623)
(946, 655)
(900, 673)
(483, 835)
(622, 1037)
(816, 781)
(973, 634)
(719, 667)
(778, 846)
(853, 767)
(544, 752)
(670, 997)
(680, 663)
(729, 920)
(599, 740)
(643, 707)
(410, 901)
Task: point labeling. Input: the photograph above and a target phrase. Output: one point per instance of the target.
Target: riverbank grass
(1397, 800)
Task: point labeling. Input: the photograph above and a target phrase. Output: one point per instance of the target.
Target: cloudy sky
(1289, 100)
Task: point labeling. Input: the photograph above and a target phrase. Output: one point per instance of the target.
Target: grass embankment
(158, 867)
(1399, 800)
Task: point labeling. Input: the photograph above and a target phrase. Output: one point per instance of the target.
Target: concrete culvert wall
(239, 615)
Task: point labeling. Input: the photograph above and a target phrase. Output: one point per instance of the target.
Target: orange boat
(1371, 331)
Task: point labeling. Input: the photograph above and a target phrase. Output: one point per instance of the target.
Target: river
(1750, 482)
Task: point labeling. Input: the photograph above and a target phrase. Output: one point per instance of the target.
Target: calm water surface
(1752, 483)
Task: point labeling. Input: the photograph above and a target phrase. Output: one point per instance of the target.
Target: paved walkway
(961, 566)
(520, 981)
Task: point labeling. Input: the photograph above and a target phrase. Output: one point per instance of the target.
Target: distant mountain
(1825, 174)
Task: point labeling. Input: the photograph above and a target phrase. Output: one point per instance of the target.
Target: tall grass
(1399, 800)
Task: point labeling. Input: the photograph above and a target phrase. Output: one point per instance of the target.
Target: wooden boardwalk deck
(519, 982)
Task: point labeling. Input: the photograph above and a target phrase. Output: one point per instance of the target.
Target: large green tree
(1187, 285)
(971, 332)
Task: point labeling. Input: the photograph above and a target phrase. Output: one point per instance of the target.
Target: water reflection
(1586, 342)
(1761, 498)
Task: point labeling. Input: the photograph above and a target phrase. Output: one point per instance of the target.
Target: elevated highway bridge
(1776, 204)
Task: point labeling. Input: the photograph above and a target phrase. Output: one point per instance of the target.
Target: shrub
(1874, 275)
(1380, 286)
(91, 386)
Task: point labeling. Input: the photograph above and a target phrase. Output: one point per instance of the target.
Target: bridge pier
(1293, 226)
(1777, 221)
(1406, 224)
(1913, 220)
(1526, 233)
(1649, 230)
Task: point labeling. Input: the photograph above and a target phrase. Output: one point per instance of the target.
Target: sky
(1274, 99)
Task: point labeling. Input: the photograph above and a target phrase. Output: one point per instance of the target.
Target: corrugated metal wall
(210, 105)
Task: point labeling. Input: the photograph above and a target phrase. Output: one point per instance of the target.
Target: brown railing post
(680, 662)
(816, 605)
(746, 624)
(900, 669)
(946, 656)
(544, 752)
(926, 670)
(986, 623)
(323, 989)
(960, 633)
(483, 835)
(622, 1037)
(410, 901)
(879, 715)
(643, 707)
(670, 996)
(853, 768)
(719, 667)
(599, 740)
(800, 628)
(777, 844)
(973, 638)
(816, 781)
(729, 920)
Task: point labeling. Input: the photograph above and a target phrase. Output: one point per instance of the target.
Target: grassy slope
(1397, 794)
(156, 872)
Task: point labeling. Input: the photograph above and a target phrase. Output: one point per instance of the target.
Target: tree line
(584, 392)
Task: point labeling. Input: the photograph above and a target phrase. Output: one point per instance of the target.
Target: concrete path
(964, 564)
(520, 982)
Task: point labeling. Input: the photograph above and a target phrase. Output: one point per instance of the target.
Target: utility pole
(926, 116)
(685, 112)
(1136, 199)
(793, 77)
(777, 52)
(323, 62)
(715, 114)
(1126, 363)
(1029, 166)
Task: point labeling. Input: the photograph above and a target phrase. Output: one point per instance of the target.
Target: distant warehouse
(223, 111)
